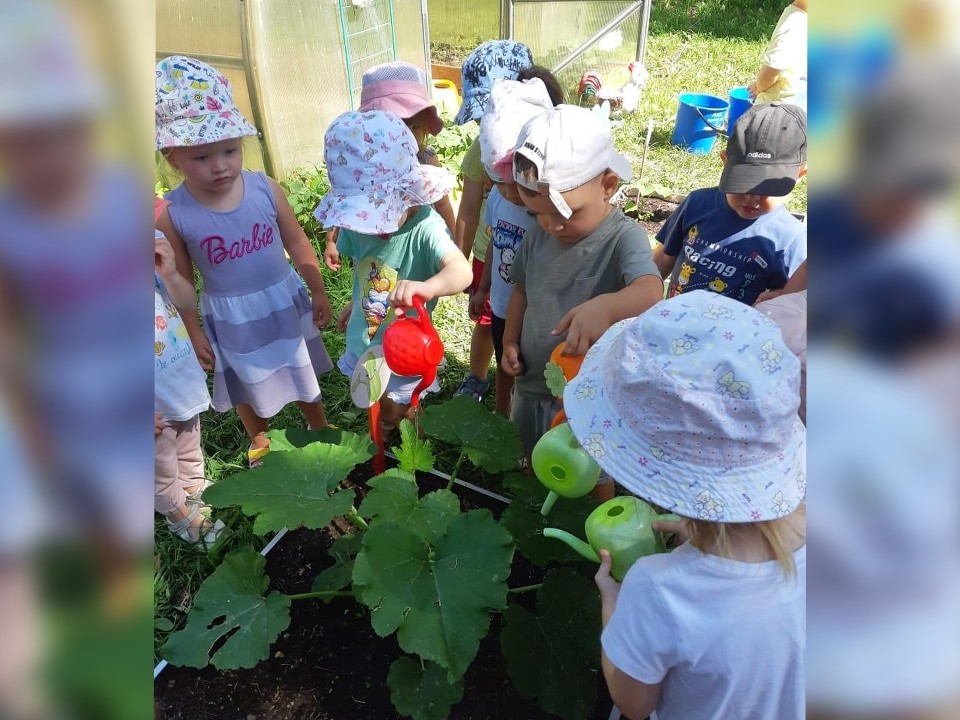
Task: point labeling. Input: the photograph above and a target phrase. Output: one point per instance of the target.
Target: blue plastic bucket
(740, 102)
(699, 121)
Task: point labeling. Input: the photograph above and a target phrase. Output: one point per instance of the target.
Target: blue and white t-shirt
(508, 224)
(180, 389)
(718, 250)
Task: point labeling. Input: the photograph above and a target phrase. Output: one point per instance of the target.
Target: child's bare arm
(445, 208)
(468, 217)
(303, 255)
(766, 78)
(483, 291)
(182, 293)
(663, 261)
(517, 308)
(454, 276)
(585, 323)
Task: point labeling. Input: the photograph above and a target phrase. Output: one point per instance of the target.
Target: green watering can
(624, 527)
(562, 466)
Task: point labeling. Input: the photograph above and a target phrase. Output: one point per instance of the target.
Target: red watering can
(411, 347)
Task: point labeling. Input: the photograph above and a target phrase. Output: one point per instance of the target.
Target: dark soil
(651, 212)
(329, 664)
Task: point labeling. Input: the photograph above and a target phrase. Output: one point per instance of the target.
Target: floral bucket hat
(194, 105)
(491, 61)
(374, 173)
(511, 104)
(693, 406)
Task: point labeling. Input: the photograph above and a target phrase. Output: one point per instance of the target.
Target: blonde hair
(715, 538)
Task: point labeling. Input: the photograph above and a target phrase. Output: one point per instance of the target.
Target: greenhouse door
(369, 38)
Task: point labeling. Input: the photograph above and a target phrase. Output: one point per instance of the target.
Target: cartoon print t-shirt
(508, 224)
(412, 253)
(180, 385)
(718, 250)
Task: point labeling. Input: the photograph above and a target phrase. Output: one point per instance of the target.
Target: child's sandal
(210, 531)
(255, 456)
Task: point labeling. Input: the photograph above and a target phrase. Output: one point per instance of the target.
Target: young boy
(584, 268)
(511, 105)
(738, 239)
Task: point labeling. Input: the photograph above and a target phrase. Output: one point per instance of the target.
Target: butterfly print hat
(693, 407)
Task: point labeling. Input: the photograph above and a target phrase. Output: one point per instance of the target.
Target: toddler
(693, 407)
(583, 268)
(738, 239)
(259, 331)
(401, 88)
(511, 104)
(380, 199)
(783, 75)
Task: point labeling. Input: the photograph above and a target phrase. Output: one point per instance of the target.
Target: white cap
(511, 105)
(569, 146)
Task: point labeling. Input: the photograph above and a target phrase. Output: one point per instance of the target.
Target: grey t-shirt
(557, 277)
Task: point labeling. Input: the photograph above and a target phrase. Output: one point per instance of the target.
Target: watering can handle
(421, 312)
(718, 130)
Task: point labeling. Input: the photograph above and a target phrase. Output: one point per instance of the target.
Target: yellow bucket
(446, 97)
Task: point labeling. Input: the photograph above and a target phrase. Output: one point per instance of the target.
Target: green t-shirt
(472, 168)
(412, 253)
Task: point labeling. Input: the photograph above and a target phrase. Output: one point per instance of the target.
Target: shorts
(498, 326)
(399, 388)
(474, 286)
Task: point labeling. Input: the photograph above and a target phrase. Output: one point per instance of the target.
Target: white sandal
(183, 529)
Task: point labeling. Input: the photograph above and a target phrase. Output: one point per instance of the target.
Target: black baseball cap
(766, 149)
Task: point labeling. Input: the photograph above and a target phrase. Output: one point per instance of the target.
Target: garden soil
(329, 664)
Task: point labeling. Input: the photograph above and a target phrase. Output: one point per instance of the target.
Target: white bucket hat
(511, 104)
(374, 173)
(693, 406)
(194, 105)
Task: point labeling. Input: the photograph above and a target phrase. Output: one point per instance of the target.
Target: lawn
(708, 46)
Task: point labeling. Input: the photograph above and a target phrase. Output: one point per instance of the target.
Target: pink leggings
(178, 464)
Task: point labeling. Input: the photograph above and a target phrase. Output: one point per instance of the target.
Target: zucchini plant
(432, 575)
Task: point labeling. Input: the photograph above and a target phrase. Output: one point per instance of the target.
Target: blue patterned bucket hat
(693, 406)
(492, 61)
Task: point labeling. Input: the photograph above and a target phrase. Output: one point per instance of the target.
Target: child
(260, 326)
(401, 88)
(379, 198)
(738, 239)
(487, 64)
(693, 407)
(783, 75)
(511, 105)
(586, 265)
(181, 395)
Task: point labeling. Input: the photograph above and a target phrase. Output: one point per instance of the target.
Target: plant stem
(524, 588)
(456, 468)
(354, 517)
(322, 594)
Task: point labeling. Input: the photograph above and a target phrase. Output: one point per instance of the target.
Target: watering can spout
(575, 543)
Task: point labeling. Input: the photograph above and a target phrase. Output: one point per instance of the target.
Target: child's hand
(344, 317)
(403, 294)
(322, 314)
(204, 351)
(768, 295)
(584, 325)
(477, 301)
(609, 588)
(331, 256)
(165, 260)
(159, 425)
(752, 89)
(511, 364)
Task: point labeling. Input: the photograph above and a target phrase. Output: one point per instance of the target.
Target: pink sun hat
(400, 88)
(374, 173)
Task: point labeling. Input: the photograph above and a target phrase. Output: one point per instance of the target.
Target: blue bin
(699, 121)
(740, 102)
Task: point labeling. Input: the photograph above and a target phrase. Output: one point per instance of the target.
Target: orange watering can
(411, 347)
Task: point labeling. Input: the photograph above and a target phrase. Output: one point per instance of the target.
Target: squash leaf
(340, 574)
(395, 500)
(490, 441)
(422, 694)
(294, 438)
(556, 381)
(413, 454)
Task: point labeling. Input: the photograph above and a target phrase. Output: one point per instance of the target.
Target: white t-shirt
(180, 385)
(508, 224)
(726, 638)
(787, 52)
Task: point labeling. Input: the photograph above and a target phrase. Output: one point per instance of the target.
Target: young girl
(380, 199)
(400, 88)
(259, 331)
(693, 406)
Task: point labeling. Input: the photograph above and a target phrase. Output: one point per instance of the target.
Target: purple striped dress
(255, 308)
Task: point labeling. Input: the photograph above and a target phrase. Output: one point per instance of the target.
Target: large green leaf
(554, 654)
(231, 604)
(422, 693)
(291, 488)
(413, 454)
(435, 595)
(489, 439)
(340, 574)
(294, 438)
(395, 500)
(526, 524)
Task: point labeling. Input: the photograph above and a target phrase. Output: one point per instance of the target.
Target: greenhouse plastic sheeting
(290, 76)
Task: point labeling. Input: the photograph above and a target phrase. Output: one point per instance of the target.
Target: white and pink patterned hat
(693, 406)
(194, 105)
(374, 173)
